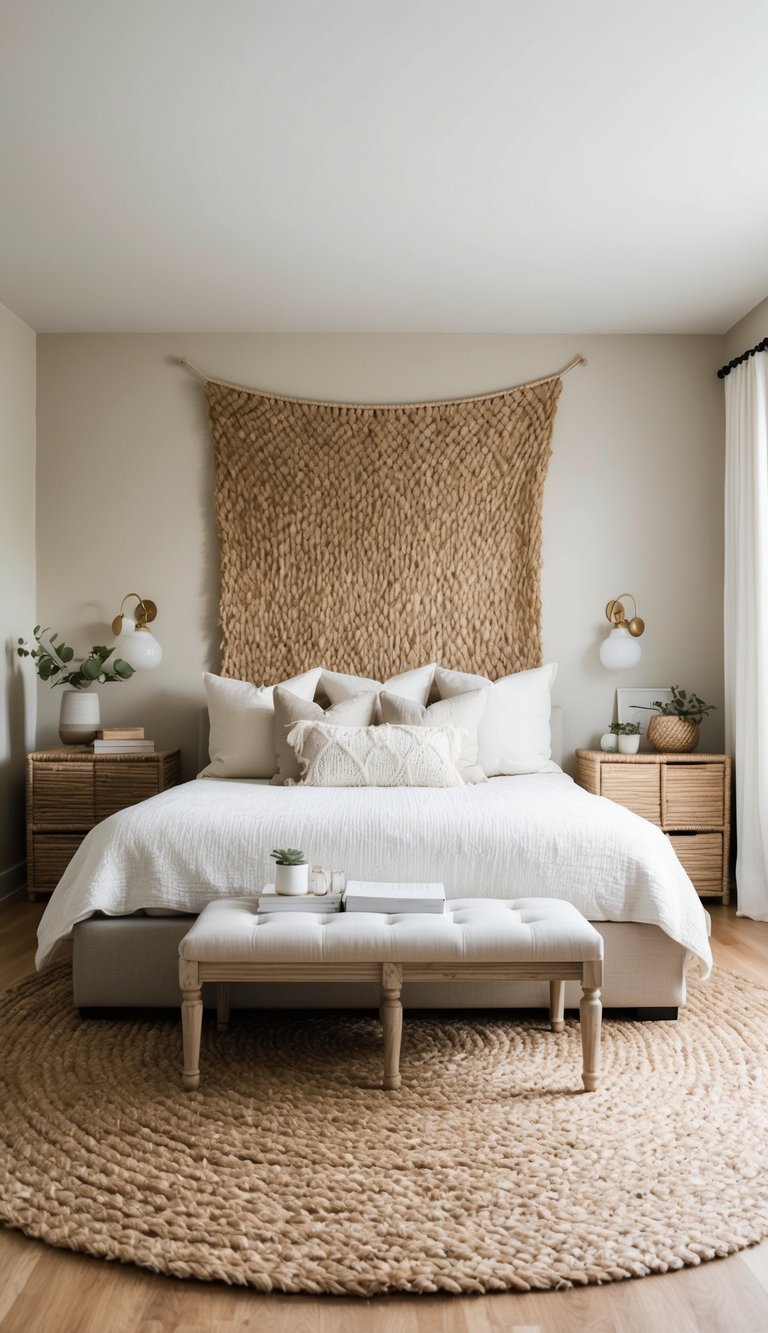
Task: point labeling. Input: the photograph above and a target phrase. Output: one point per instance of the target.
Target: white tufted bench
(476, 939)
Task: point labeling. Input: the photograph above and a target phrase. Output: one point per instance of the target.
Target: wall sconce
(135, 643)
(620, 649)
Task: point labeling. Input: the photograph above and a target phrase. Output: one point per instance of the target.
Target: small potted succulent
(291, 871)
(629, 736)
(675, 723)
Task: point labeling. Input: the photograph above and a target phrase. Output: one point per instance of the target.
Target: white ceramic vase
(608, 742)
(79, 717)
(629, 744)
(292, 879)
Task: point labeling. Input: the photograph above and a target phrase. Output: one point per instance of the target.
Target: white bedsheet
(537, 836)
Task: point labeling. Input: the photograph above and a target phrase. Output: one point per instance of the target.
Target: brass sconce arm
(146, 611)
(615, 613)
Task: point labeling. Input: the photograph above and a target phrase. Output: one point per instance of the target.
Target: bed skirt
(133, 961)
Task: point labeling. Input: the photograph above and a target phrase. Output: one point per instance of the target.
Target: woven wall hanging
(374, 538)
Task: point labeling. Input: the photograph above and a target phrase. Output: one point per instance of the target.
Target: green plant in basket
(682, 704)
(675, 722)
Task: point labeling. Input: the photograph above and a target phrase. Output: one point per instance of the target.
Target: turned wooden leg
(222, 1005)
(191, 1022)
(591, 1012)
(557, 1005)
(392, 1019)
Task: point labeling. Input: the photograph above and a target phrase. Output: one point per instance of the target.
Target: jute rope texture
(371, 538)
(292, 1170)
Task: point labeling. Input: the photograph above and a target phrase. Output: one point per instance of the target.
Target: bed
(140, 876)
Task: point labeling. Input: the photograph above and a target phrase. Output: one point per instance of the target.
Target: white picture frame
(632, 703)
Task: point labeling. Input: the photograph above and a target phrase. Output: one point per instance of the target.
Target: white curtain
(746, 622)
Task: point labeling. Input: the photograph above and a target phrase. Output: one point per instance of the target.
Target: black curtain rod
(737, 360)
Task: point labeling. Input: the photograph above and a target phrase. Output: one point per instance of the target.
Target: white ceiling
(388, 165)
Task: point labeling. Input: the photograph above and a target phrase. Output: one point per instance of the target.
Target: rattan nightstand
(70, 790)
(687, 795)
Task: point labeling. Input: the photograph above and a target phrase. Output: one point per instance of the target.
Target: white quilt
(537, 836)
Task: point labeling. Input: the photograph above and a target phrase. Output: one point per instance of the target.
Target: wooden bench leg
(392, 1019)
(222, 1005)
(591, 1012)
(557, 1005)
(191, 1022)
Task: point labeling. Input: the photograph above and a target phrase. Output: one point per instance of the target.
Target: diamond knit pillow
(381, 756)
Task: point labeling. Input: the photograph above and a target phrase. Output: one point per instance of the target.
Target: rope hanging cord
(737, 360)
(379, 407)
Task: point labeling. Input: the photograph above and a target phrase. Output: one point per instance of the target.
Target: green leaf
(122, 669)
(91, 668)
(65, 653)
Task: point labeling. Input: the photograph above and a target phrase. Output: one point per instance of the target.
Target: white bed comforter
(537, 836)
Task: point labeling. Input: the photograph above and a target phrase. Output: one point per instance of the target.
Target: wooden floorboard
(43, 1290)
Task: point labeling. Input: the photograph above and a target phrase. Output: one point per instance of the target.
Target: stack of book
(122, 740)
(370, 896)
(270, 901)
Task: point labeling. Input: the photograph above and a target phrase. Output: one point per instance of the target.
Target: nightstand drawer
(701, 856)
(52, 853)
(636, 786)
(693, 795)
(118, 785)
(63, 794)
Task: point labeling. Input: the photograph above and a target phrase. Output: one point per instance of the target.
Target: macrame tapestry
(375, 538)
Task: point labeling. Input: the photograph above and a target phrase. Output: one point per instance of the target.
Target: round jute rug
(290, 1169)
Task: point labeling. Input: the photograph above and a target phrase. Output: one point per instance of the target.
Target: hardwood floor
(43, 1290)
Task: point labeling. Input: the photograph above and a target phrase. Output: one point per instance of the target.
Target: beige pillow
(241, 744)
(290, 708)
(381, 756)
(463, 711)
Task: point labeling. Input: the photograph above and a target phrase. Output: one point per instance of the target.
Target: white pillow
(380, 756)
(462, 710)
(514, 732)
(414, 684)
(242, 717)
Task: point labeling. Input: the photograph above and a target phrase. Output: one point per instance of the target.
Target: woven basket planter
(672, 733)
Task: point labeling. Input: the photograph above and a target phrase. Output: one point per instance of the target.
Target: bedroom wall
(633, 499)
(749, 331)
(17, 585)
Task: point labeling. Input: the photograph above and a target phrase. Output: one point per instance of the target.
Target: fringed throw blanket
(376, 538)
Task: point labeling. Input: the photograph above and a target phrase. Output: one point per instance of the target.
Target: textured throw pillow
(381, 756)
(514, 732)
(414, 684)
(290, 708)
(241, 715)
(462, 710)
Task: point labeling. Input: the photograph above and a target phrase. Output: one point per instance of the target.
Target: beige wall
(749, 331)
(633, 499)
(17, 584)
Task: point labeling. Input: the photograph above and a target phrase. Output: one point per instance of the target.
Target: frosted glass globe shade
(139, 648)
(619, 651)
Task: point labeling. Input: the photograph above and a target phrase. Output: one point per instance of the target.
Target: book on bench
(271, 901)
(371, 896)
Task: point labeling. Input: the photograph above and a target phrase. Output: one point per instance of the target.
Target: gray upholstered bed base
(133, 961)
